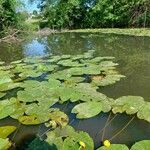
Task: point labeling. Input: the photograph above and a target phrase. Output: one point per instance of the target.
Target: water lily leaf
(55, 136)
(40, 112)
(90, 109)
(62, 75)
(29, 120)
(37, 91)
(128, 104)
(45, 68)
(72, 81)
(108, 80)
(2, 62)
(58, 135)
(4, 78)
(114, 147)
(144, 112)
(16, 62)
(5, 131)
(7, 107)
(9, 86)
(30, 73)
(54, 59)
(4, 144)
(65, 56)
(142, 145)
(70, 143)
(60, 118)
(54, 83)
(2, 94)
(93, 69)
(69, 63)
(73, 141)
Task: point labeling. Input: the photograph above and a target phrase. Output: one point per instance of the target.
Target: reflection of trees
(10, 52)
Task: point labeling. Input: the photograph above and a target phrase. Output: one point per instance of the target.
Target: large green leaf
(2, 94)
(5, 131)
(142, 145)
(7, 107)
(108, 80)
(59, 117)
(71, 137)
(128, 104)
(72, 142)
(144, 112)
(115, 147)
(91, 109)
(4, 144)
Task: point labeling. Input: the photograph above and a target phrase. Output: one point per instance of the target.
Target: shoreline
(125, 31)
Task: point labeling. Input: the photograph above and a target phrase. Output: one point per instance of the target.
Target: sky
(29, 7)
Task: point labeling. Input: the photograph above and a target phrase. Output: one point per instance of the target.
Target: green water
(133, 55)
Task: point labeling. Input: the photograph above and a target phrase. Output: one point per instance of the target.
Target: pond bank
(130, 31)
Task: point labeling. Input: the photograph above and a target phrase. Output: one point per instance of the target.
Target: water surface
(133, 55)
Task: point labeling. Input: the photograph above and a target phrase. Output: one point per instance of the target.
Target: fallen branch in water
(12, 36)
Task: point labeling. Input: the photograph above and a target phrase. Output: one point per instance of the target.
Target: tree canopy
(95, 14)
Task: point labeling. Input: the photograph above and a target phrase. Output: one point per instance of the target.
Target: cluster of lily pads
(36, 84)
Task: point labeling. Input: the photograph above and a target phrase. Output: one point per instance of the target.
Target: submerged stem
(105, 126)
(122, 128)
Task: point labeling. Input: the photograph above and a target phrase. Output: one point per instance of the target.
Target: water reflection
(36, 47)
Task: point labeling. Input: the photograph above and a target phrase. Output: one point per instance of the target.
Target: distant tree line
(74, 14)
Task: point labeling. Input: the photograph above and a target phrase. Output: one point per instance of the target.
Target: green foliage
(143, 145)
(5, 131)
(8, 14)
(74, 14)
(4, 144)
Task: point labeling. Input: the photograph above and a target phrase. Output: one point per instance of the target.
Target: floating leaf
(73, 142)
(108, 80)
(59, 117)
(9, 86)
(144, 112)
(2, 94)
(114, 147)
(90, 109)
(7, 107)
(29, 120)
(69, 63)
(72, 138)
(128, 104)
(142, 145)
(5, 131)
(4, 144)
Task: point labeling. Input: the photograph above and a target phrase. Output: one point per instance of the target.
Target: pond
(131, 53)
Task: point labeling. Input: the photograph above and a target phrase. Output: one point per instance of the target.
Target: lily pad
(5, 131)
(73, 142)
(114, 147)
(142, 145)
(128, 104)
(144, 112)
(90, 109)
(60, 118)
(2, 94)
(4, 144)
(7, 107)
(108, 80)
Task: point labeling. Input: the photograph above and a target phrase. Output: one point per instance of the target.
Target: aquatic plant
(36, 84)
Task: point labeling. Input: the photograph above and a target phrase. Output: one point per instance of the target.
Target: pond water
(133, 55)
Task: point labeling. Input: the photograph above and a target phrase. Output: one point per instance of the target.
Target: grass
(127, 31)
